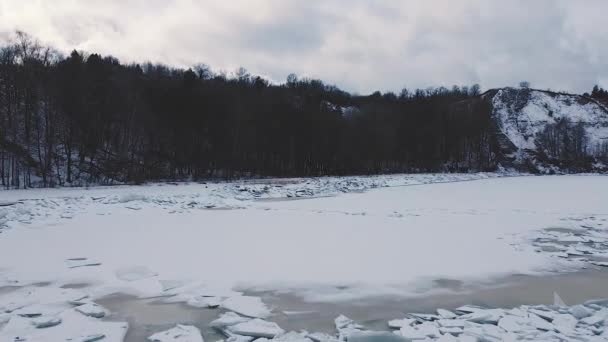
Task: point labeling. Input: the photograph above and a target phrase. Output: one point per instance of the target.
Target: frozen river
(371, 248)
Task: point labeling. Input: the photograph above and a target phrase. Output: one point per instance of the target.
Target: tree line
(87, 118)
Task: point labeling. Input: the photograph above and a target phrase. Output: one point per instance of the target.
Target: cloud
(358, 45)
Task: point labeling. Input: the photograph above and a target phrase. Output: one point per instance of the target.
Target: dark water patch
(292, 313)
(8, 289)
(376, 337)
(507, 292)
(149, 316)
(450, 284)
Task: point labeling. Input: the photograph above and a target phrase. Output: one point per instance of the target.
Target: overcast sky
(358, 45)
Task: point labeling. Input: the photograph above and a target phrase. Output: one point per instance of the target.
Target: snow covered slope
(529, 122)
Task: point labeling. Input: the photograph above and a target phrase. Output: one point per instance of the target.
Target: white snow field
(207, 245)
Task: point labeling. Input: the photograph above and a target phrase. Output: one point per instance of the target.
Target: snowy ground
(181, 243)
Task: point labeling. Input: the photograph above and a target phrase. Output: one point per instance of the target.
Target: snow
(522, 125)
(180, 333)
(389, 240)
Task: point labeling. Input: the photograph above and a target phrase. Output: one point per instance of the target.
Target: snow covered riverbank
(164, 241)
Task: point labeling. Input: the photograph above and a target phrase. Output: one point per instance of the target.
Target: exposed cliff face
(543, 131)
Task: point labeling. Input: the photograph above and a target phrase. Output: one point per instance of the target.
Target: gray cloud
(357, 44)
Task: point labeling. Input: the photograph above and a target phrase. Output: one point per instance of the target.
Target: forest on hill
(86, 118)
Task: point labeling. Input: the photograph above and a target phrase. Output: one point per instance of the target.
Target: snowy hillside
(541, 125)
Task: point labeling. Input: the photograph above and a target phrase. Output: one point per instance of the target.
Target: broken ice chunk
(205, 302)
(429, 329)
(92, 310)
(557, 300)
(411, 333)
(452, 323)
(46, 322)
(544, 313)
(511, 324)
(257, 328)
(446, 313)
(447, 338)
(342, 322)
(565, 323)
(239, 338)
(93, 338)
(321, 337)
(291, 336)
(424, 317)
(540, 323)
(453, 331)
(227, 319)
(346, 327)
(79, 299)
(489, 316)
(181, 333)
(247, 306)
(597, 317)
(398, 323)
(466, 309)
(580, 311)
